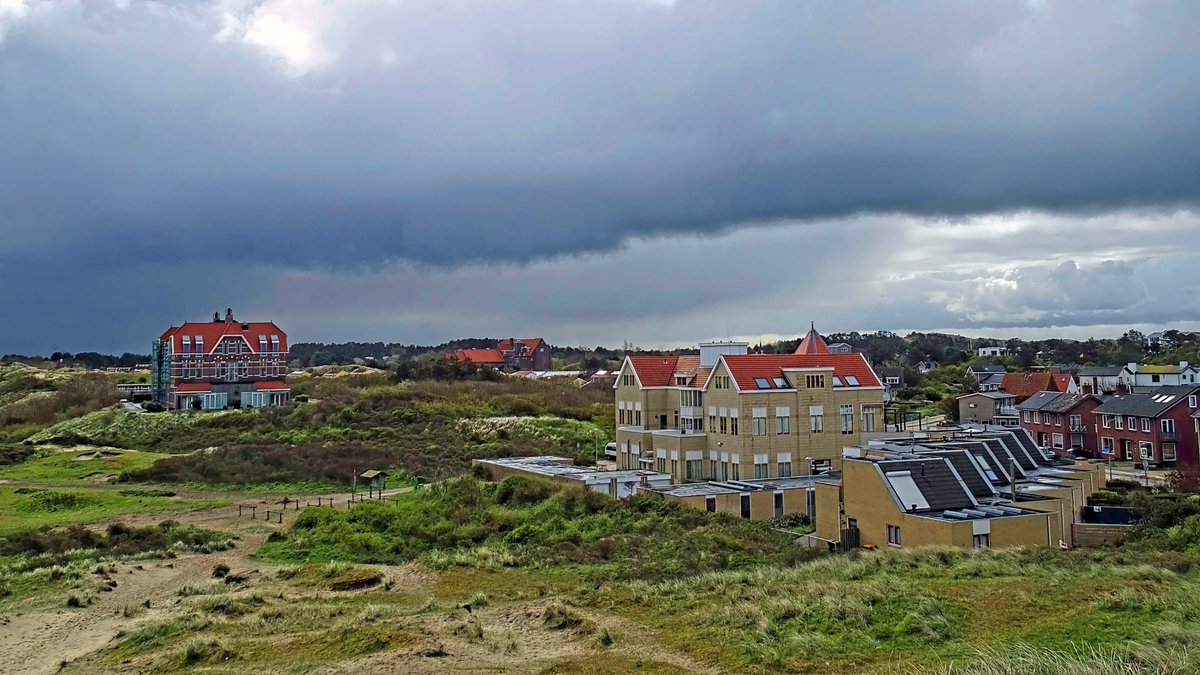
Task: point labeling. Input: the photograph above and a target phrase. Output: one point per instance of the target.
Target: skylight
(837, 381)
(780, 383)
(852, 380)
(761, 383)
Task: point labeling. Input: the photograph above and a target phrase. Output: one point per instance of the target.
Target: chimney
(228, 315)
(216, 317)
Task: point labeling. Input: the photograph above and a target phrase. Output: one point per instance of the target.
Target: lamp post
(810, 465)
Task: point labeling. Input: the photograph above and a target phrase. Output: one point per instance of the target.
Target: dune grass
(24, 509)
(52, 465)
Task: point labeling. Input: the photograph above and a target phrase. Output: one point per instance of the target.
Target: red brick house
(522, 354)
(1157, 425)
(223, 363)
(1024, 385)
(1063, 423)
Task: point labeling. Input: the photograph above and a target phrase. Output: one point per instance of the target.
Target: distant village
(820, 431)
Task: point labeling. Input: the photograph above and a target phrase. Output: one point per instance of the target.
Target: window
(758, 422)
(852, 523)
(1075, 422)
(712, 418)
(1028, 416)
(815, 381)
(262, 343)
(893, 534)
(778, 504)
(737, 470)
(746, 507)
(724, 422)
(1146, 424)
(982, 540)
(187, 344)
(760, 466)
(783, 422)
(1168, 452)
(891, 380)
(710, 504)
(762, 383)
(847, 413)
(1132, 424)
(733, 425)
(1117, 422)
(1192, 401)
(1168, 426)
(1147, 450)
(1106, 420)
(1058, 420)
(780, 383)
(199, 344)
(1057, 441)
(1106, 446)
(816, 419)
(1155, 378)
(785, 468)
(868, 413)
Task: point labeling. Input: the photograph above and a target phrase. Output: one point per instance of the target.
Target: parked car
(610, 451)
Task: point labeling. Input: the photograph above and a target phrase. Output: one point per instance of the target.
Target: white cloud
(11, 11)
(296, 32)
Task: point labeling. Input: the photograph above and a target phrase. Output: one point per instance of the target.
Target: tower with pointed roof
(812, 343)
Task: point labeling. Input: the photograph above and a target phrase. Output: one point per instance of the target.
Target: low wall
(1092, 536)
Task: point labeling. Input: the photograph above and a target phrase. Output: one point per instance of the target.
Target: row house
(1139, 377)
(224, 363)
(988, 407)
(730, 415)
(1062, 423)
(518, 354)
(1156, 426)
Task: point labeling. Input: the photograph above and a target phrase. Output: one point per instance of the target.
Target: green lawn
(32, 508)
(55, 466)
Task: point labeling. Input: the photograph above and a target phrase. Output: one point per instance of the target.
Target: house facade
(988, 407)
(1061, 423)
(1139, 377)
(991, 352)
(730, 415)
(984, 371)
(1100, 380)
(224, 363)
(1156, 426)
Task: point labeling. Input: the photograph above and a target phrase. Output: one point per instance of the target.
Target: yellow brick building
(730, 415)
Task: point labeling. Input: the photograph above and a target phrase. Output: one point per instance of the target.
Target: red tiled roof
(481, 356)
(745, 368)
(1062, 382)
(270, 386)
(654, 371)
(213, 331)
(1024, 385)
(531, 344)
(812, 343)
(193, 388)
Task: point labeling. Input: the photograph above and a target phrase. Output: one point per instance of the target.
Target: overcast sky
(595, 171)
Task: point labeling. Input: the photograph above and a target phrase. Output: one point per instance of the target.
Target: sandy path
(41, 641)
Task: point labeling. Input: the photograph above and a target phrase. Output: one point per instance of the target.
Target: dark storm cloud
(520, 130)
(172, 154)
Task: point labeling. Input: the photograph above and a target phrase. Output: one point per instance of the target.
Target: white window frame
(893, 535)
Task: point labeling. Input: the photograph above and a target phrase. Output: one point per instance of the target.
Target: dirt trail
(40, 641)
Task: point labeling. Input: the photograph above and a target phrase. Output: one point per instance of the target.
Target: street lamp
(810, 465)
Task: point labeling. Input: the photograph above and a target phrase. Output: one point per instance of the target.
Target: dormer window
(187, 344)
(199, 344)
(262, 343)
(275, 343)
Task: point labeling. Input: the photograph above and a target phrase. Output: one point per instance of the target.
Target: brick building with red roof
(517, 354)
(727, 414)
(223, 363)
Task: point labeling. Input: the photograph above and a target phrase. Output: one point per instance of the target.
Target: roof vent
(245, 326)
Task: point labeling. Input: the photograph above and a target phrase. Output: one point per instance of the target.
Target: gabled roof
(1065, 403)
(1023, 385)
(993, 378)
(1062, 381)
(987, 368)
(211, 333)
(812, 343)
(1149, 404)
(847, 368)
(1038, 401)
(656, 371)
(531, 344)
(480, 356)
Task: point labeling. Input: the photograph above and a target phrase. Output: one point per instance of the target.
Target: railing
(1168, 436)
(1077, 428)
(1006, 410)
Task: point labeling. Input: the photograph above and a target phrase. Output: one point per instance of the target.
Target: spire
(812, 343)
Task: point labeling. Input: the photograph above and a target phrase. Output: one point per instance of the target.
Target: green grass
(32, 508)
(531, 523)
(55, 466)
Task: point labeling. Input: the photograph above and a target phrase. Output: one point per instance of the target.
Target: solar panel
(852, 380)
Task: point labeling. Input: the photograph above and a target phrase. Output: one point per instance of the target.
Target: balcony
(1077, 428)
(1006, 410)
(1168, 436)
